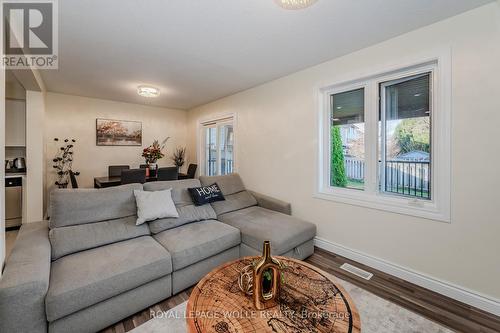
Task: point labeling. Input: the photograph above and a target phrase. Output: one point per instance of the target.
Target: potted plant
(179, 157)
(63, 162)
(153, 153)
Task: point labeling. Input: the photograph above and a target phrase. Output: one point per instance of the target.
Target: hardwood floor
(444, 310)
(448, 312)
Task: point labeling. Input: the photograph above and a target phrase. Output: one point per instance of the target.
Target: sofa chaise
(90, 266)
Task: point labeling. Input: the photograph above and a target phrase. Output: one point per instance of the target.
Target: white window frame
(438, 208)
(217, 121)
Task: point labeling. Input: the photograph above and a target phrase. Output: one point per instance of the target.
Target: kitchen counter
(14, 174)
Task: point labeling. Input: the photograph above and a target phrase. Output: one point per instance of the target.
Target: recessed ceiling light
(339, 107)
(148, 91)
(295, 4)
(335, 119)
(417, 95)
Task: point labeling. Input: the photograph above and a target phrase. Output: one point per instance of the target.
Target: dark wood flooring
(446, 311)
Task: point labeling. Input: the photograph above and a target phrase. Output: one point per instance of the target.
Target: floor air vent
(357, 271)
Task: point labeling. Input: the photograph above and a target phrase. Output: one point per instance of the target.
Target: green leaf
(337, 168)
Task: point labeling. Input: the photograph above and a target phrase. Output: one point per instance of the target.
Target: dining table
(103, 182)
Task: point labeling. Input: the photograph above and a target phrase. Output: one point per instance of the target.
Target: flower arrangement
(179, 157)
(63, 162)
(154, 152)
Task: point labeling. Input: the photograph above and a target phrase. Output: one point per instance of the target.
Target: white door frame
(218, 120)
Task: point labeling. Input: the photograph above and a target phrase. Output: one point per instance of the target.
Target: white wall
(35, 166)
(70, 116)
(277, 144)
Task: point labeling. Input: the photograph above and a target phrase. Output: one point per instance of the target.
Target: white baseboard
(458, 293)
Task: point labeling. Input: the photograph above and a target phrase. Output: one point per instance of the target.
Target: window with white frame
(217, 147)
(385, 141)
(405, 136)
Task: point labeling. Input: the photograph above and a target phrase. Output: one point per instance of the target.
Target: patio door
(218, 147)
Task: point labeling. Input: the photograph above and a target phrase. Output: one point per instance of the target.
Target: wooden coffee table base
(310, 301)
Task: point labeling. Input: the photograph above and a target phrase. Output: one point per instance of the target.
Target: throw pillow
(206, 194)
(153, 205)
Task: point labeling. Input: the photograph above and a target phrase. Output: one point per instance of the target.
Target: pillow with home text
(206, 194)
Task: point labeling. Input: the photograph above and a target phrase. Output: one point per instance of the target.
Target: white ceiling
(198, 51)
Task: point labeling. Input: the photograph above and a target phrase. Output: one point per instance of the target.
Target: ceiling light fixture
(148, 91)
(295, 4)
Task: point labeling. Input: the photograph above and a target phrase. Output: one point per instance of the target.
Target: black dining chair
(116, 170)
(191, 171)
(168, 173)
(72, 178)
(129, 176)
(143, 166)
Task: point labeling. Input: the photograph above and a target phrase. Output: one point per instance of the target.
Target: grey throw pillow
(153, 205)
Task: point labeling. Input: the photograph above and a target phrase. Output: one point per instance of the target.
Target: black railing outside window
(409, 178)
(226, 166)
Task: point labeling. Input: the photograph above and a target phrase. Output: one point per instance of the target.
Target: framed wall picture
(118, 132)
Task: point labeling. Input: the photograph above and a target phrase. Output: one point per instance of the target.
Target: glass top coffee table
(310, 301)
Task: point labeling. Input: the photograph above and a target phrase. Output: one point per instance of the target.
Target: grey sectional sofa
(91, 266)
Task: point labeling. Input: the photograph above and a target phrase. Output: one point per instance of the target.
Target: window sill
(400, 205)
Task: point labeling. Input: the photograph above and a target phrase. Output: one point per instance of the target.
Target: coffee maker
(15, 165)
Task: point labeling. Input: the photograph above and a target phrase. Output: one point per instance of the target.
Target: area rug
(377, 316)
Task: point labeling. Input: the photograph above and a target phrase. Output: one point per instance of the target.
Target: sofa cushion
(234, 202)
(258, 224)
(85, 278)
(75, 238)
(173, 184)
(79, 206)
(237, 197)
(188, 212)
(229, 184)
(196, 241)
(25, 281)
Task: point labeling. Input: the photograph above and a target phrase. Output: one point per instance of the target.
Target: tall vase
(266, 279)
(152, 166)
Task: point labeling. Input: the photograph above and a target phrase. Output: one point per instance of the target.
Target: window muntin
(405, 136)
(347, 139)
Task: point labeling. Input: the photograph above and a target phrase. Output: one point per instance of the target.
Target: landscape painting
(118, 132)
